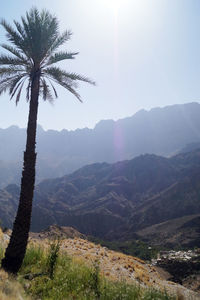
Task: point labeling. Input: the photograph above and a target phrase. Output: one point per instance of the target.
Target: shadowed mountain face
(161, 131)
(118, 201)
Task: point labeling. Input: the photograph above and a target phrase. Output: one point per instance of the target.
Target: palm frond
(26, 41)
(53, 88)
(6, 83)
(67, 80)
(60, 56)
(46, 92)
(49, 28)
(19, 91)
(12, 84)
(29, 40)
(20, 29)
(59, 41)
(35, 41)
(8, 60)
(11, 34)
(72, 90)
(67, 86)
(7, 71)
(15, 85)
(54, 72)
(40, 30)
(74, 76)
(57, 73)
(14, 37)
(15, 52)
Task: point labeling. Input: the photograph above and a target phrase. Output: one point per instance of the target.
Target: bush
(52, 258)
(72, 279)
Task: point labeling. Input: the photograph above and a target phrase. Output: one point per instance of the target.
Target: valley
(150, 198)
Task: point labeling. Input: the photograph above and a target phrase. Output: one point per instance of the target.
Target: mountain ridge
(160, 131)
(115, 201)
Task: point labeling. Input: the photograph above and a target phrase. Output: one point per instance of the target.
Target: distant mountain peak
(117, 201)
(160, 131)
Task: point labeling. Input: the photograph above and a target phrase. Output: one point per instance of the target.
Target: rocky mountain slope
(179, 232)
(118, 201)
(161, 131)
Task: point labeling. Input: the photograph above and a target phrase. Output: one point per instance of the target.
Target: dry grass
(113, 265)
(10, 289)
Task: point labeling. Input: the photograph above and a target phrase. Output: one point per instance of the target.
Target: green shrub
(132, 247)
(1, 253)
(52, 258)
(95, 279)
(73, 279)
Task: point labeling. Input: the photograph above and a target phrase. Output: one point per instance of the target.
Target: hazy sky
(141, 53)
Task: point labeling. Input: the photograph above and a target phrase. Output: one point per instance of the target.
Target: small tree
(33, 47)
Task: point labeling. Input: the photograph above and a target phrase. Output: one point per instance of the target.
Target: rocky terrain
(178, 232)
(56, 232)
(113, 265)
(118, 266)
(151, 198)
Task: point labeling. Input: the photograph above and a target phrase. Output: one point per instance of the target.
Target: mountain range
(150, 197)
(160, 131)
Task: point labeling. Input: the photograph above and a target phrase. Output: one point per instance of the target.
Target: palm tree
(33, 47)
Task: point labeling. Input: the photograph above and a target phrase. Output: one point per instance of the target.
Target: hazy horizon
(146, 110)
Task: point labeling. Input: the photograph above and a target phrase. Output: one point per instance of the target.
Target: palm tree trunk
(16, 249)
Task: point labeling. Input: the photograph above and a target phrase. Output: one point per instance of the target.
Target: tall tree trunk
(16, 249)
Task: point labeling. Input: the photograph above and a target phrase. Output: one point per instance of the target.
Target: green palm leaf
(47, 95)
(59, 41)
(9, 71)
(60, 56)
(8, 60)
(6, 83)
(16, 85)
(15, 52)
(34, 44)
(15, 38)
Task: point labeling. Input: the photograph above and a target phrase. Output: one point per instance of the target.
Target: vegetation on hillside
(73, 279)
(134, 247)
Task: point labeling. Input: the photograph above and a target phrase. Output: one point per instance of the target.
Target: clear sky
(141, 53)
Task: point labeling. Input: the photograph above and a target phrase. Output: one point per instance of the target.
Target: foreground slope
(119, 273)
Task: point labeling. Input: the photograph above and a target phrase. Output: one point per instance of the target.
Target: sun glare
(134, 6)
(114, 5)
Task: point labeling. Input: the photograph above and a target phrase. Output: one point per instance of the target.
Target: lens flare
(114, 5)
